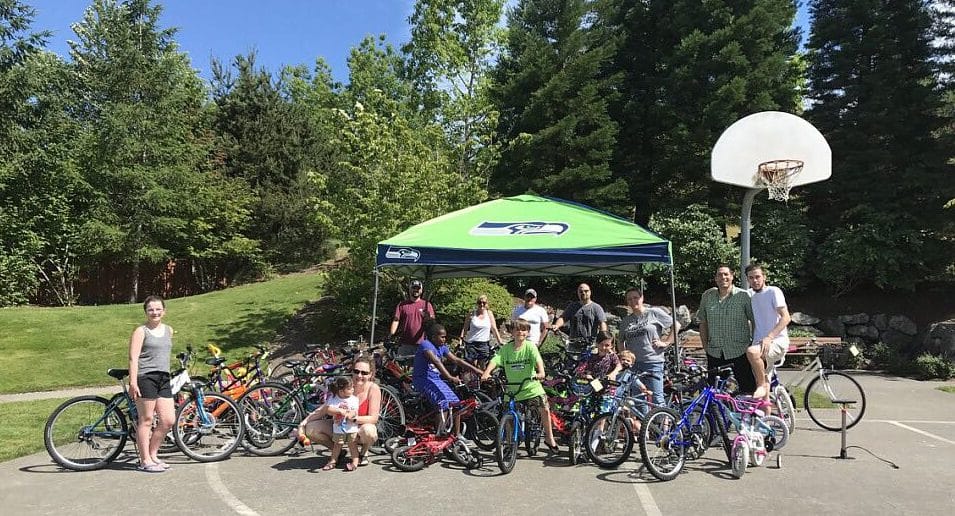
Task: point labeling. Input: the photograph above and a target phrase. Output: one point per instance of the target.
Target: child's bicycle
(758, 433)
(424, 444)
(519, 423)
(667, 438)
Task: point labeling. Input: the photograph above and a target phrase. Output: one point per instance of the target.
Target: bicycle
(667, 438)
(86, 433)
(757, 433)
(829, 386)
(609, 438)
(516, 425)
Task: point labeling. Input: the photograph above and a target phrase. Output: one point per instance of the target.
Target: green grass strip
(22, 430)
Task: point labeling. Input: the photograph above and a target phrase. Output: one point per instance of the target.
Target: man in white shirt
(771, 317)
(534, 314)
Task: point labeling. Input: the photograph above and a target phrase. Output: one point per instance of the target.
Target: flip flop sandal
(350, 467)
(328, 467)
(151, 468)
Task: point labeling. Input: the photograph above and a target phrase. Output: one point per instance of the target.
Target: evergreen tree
(690, 69)
(143, 145)
(553, 94)
(874, 88)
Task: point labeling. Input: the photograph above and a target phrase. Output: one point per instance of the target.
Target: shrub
(455, 298)
(781, 241)
(929, 367)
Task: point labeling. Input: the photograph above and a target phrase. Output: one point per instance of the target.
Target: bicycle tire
(575, 449)
(532, 431)
(270, 411)
(168, 444)
(482, 429)
(608, 440)
(507, 444)
(211, 432)
(716, 415)
(658, 431)
(409, 458)
(391, 418)
(71, 438)
(739, 457)
(783, 402)
(777, 434)
(846, 388)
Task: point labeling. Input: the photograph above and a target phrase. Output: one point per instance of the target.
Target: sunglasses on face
(482, 302)
(360, 372)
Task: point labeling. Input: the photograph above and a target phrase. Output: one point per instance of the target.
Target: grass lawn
(22, 430)
(947, 388)
(52, 348)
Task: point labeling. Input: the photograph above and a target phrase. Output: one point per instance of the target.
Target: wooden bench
(798, 346)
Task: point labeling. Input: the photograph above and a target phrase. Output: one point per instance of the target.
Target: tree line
(121, 155)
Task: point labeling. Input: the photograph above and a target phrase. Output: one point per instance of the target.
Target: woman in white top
(476, 333)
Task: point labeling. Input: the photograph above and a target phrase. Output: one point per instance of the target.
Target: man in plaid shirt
(726, 328)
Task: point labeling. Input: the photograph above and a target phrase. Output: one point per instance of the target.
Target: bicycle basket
(833, 357)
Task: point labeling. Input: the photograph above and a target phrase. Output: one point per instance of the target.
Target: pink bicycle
(758, 433)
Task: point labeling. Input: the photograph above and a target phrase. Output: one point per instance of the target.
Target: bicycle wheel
(532, 431)
(661, 440)
(575, 449)
(410, 458)
(831, 386)
(784, 404)
(507, 443)
(270, 412)
(775, 432)
(609, 440)
(739, 457)
(482, 429)
(209, 432)
(716, 416)
(391, 417)
(81, 435)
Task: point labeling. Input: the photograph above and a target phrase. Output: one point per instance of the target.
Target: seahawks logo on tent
(402, 253)
(519, 228)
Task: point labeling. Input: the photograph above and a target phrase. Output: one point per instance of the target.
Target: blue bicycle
(518, 423)
(667, 438)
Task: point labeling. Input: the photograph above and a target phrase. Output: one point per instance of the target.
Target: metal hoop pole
(744, 223)
(374, 310)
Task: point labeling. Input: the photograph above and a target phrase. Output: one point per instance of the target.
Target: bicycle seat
(215, 361)
(119, 374)
(292, 363)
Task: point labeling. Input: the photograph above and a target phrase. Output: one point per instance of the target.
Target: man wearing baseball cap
(534, 314)
(411, 315)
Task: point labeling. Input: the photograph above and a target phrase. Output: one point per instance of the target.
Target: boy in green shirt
(520, 360)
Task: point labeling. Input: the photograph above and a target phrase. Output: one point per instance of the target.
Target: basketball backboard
(770, 136)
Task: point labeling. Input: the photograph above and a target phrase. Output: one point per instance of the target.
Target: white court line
(916, 421)
(646, 500)
(916, 430)
(215, 482)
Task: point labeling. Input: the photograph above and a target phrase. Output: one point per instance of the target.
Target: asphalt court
(920, 443)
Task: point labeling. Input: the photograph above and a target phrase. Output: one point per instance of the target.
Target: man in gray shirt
(586, 318)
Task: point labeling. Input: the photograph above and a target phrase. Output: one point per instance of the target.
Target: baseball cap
(416, 283)
(530, 293)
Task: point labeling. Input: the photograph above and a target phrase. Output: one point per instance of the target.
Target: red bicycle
(423, 445)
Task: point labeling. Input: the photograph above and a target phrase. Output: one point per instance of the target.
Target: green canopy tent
(524, 235)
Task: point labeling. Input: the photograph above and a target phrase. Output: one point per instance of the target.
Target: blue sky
(281, 31)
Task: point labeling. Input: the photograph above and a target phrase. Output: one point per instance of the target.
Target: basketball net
(777, 176)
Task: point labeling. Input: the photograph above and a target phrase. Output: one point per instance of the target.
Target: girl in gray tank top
(157, 348)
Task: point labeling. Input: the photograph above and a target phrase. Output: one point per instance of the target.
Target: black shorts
(154, 384)
(742, 371)
(477, 350)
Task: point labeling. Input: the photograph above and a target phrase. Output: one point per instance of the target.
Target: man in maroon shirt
(411, 314)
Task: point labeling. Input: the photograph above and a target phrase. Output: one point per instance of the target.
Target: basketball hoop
(777, 176)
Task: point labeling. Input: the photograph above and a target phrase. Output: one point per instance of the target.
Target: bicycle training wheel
(270, 412)
(663, 443)
(609, 440)
(81, 435)
(507, 443)
(209, 432)
(775, 432)
(828, 387)
(784, 404)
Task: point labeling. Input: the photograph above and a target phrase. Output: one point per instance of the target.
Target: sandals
(151, 468)
(162, 464)
(350, 466)
(330, 466)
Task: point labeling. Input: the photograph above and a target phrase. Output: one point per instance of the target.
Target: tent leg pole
(676, 336)
(374, 310)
